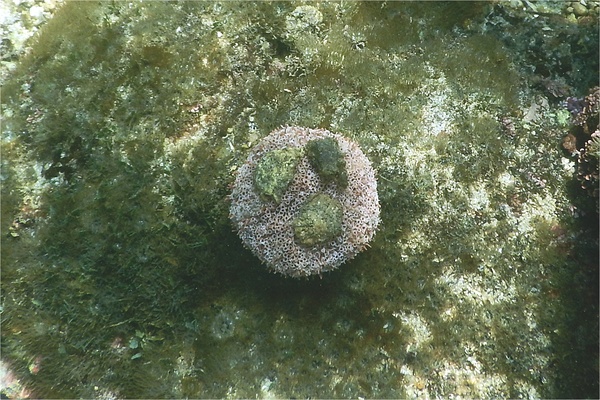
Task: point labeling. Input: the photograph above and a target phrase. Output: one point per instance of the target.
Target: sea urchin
(305, 201)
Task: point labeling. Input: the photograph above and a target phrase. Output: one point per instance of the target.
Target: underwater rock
(318, 221)
(327, 159)
(579, 9)
(275, 171)
(315, 226)
(303, 18)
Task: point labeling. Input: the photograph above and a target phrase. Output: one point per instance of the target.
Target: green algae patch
(319, 220)
(328, 160)
(126, 122)
(275, 171)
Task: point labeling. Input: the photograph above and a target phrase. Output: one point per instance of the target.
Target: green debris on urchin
(319, 220)
(275, 171)
(328, 160)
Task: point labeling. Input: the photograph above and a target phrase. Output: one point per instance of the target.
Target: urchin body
(267, 225)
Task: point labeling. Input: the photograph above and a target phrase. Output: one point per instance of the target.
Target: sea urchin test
(305, 201)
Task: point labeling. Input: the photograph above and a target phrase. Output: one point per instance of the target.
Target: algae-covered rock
(328, 160)
(319, 220)
(275, 171)
(303, 18)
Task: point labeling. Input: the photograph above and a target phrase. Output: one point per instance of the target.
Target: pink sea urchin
(269, 224)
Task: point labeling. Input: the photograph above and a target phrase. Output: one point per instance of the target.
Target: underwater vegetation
(122, 131)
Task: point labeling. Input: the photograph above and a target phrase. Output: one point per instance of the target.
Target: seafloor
(123, 124)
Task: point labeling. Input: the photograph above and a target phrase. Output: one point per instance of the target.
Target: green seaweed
(123, 128)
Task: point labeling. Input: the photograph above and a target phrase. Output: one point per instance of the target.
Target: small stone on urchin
(275, 171)
(328, 160)
(319, 220)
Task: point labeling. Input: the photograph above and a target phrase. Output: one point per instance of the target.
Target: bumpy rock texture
(276, 231)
